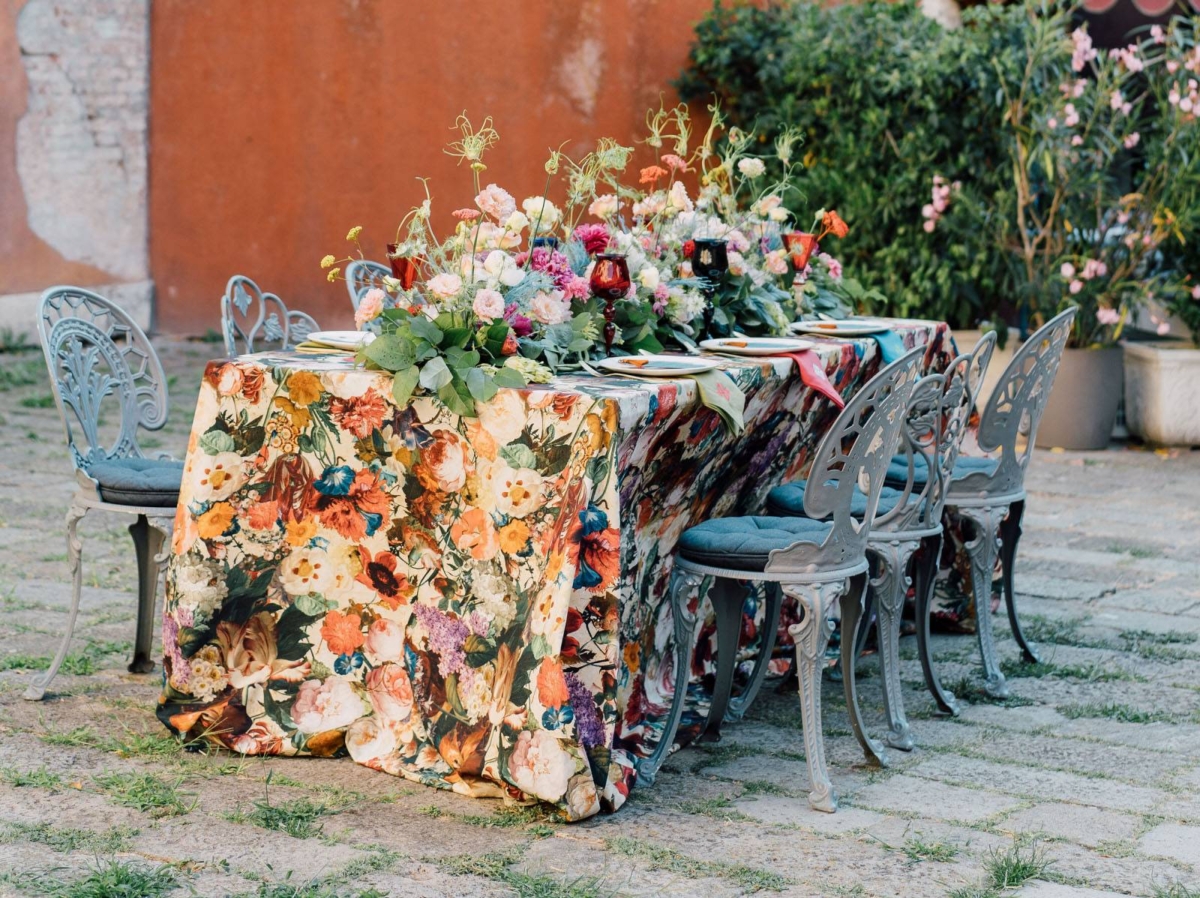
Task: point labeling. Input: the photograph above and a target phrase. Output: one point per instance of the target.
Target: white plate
(341, 339)
(839, 328)
(755, 345)
(657, 365)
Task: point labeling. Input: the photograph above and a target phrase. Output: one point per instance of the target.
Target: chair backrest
(1015, 409)
(251, 318)
(94, 351)
(936, 420)
(854, 454)
(362, 275)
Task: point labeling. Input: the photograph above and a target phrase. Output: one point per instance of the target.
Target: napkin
(891, 347)
(812, 372)
(719, 392)
(316, 347)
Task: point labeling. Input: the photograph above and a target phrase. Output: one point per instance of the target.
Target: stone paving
(1085, 783)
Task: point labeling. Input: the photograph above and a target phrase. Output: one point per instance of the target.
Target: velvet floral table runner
(477, 604)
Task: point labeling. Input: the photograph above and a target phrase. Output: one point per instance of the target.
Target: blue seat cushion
(789, 500)
(138, 481)
(897, 472)
(746, 543)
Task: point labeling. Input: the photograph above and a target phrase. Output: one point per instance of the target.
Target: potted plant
(1097, 143)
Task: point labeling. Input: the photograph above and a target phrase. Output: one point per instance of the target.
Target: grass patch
(716, 754)
(717, 808)
(1157, 646)
(1017, 865)
(130, 744)
(298, 818)
(1054, 631)
(970, 690)
(22, 374)
(39, 779)
(1175, 890)
(1119, 712)
(108, 879)
(764, 787)
(67, 839)
(146, 792)
(46, 401)
(751, 879)
(1088, 673)
(917, 849)
(508, 817)
(498, 867)
(81, 664)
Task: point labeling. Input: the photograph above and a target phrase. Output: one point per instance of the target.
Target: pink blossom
(1163, 328)
(577, 288)
(1071, 115)
(832, 265)
(1196, 292)
(488, 305)
(466, 214)
(662, 293)
(674, 162)
(496, 202)
(1157, 34)
(1052, 122)
(1094, 268)
(1076, 141)
(1172, 66)
(594, 237)
(929, 225)
(1132, 140)
(1076, 286)
(1067, 270)
(1084, 51)
(1108, 316)
(369, 308)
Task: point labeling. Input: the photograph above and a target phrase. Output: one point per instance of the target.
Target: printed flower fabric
(474, 604)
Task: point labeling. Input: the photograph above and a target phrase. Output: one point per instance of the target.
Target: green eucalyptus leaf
(435, 374)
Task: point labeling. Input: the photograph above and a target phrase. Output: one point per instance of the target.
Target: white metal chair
(989, 491)
(95, 352)
(814, 560)
(251, 317)
(908, 518)
(363, 275)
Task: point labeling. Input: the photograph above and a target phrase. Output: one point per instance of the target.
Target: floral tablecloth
(474, 604)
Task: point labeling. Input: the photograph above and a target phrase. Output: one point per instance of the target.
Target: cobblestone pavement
(1084, 783)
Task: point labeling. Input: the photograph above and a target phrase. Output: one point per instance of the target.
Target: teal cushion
(745, 543)
(789, 500)
(138, 481)
(897, 472)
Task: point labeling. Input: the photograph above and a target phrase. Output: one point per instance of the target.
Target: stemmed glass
(610, 281)
(710, 261)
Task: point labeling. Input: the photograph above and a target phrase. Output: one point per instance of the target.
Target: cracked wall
(73, 121)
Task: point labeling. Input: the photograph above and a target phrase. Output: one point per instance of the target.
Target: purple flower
(589, 727)
(446, 636)
(521, 325)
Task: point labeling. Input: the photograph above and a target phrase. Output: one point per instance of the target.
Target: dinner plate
(836, 328)
(755, 345)
(657, 365)
(341, 339)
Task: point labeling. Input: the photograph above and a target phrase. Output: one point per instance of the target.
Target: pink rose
(390, 692)
(444, 286)
(496, 202)
(1076, 286)
(443, 464)
(369, 308)
(489, 305)
(385, 640)
(1196, 292)
(539, 765)
(369, 741)
(549, 308)
(229, 380)
(326, 706)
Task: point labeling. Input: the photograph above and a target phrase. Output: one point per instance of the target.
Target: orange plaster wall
(275, 126)
(29, 264)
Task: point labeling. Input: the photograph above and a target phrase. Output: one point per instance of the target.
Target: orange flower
(652, 173)
(360, 414)
(215, 521)
(263, 516)
(300, 532)
(514, 536)
(551, 684)
(833, 224)
(342, 632)
(474, 532)
(304, 387)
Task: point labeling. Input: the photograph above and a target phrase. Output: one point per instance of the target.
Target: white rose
(368, 740)
(539, 766)
(325, 706)
(542, 213)
(199, 585)
(678, 199)
(503, 416)
(649, 277)
(549, 308)
(385, 640)
(444, 286)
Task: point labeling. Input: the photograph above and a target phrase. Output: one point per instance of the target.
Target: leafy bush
(949, 152)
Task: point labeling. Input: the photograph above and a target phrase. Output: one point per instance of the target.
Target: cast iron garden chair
(814, 560)
(250, 317)
(96, 352)
(362, 275)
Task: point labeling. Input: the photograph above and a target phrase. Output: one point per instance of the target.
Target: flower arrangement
(509, 297)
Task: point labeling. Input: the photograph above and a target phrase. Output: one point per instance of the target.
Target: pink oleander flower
(1132, 140)
(832, 265)
(1108, 316)
(1052, 123)
(369, 308)
(1067, 270)
(1094, 268)
(1076, 286)
(466, 214)
(496, 202)
(1071, 115)
(1157, 34)
(929, 225)
(488, 305)
(1084, 51)
(594, 237)
(1196, 292)
(1076, 141)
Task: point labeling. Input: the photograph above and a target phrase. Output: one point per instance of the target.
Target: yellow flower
(514, 536)
(297, 415)
(304, 387)
(215, 521)
(327, 261)
(354, 232)
(333, 273)
(300, 532)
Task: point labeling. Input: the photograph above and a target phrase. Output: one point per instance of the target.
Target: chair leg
(728, 598)
(684, 632)
(891, 588)
(811, 636)
(37, 686)
(149, 536)
(927, 566)
(852, 615)
(1010, 535)
(982, 550)
(739, 705)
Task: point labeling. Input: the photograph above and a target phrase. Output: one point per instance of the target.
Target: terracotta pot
(1083, 403)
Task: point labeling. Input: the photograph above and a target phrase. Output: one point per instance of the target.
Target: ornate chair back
(250, 318)
(1015, 409)
(362, 275)
(854, 454)
(937, 418)
(95, 352)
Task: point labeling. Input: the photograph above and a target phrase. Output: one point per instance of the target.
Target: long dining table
(478, 604)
